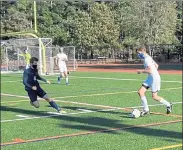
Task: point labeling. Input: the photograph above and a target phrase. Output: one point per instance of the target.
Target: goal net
(12, 61)
(11, 51)
(71, 63)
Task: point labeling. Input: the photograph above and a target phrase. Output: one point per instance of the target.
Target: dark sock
(54, 105)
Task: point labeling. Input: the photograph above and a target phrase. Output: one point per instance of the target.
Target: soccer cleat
(142, 113)
(59, 109)
(169, 109)
(62, 111)
(67, 83)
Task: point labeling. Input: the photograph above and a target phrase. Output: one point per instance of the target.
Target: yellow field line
(170, 115)
(167, 147)
(86, 133)
(110, 93)
(14, 101)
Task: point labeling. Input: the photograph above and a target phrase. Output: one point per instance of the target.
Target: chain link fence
(165, 53)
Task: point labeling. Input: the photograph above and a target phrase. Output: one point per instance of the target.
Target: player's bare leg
(35, 104)
(66, 78)
(163, 101)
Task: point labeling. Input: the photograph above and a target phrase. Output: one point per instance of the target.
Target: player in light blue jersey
(153, 81)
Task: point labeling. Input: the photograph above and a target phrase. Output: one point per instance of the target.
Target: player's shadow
(23, 111)
(101, 110)
(100, 124)
(95, 123)
(105, 125)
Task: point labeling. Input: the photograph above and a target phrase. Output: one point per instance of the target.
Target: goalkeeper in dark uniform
(33, 88)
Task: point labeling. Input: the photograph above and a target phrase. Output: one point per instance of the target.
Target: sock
(67, 80)
(163, 101)
(144, 103)
(54, 105)
(59, 78)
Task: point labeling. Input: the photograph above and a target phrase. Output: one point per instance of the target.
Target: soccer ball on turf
(135, 113)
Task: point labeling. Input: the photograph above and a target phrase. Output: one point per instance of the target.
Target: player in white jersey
(61, 63)
(153, 81)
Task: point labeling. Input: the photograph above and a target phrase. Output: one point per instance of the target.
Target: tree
(150, 22)
(16, 16)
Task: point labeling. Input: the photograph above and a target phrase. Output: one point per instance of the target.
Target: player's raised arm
(21, 54)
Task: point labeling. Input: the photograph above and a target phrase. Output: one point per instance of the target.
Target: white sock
(67, 80)
(144, 103)
(163, 101)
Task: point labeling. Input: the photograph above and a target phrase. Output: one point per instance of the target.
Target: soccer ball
(135, 113)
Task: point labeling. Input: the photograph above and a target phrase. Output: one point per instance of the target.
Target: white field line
(12, 95)
(88, 95)
(111, 107)
(99, 78)
(112, 93)
(118, 79)
(71, 102)
(83, 112)
(22, 116)
(49, 116)
(87, 104)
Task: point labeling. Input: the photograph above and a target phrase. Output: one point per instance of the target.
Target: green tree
(150, 22)
(16, 16)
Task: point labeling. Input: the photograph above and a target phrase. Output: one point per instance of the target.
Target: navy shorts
(33, 94)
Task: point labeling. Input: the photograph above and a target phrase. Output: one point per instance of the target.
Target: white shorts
(62, 68)
(152, 82)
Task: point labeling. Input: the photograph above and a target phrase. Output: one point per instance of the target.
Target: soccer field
(97, 106)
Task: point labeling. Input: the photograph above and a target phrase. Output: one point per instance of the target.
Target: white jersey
(153, 80)
(148, 61)
(62, 58)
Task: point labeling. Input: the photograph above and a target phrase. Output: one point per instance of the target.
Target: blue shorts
(33, 94)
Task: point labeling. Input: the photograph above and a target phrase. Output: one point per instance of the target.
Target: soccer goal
(41, 48)
(11, 59)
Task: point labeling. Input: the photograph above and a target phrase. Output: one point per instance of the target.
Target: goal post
(13, 61)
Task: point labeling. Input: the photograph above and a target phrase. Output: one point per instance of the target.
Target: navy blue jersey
(30, 77)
